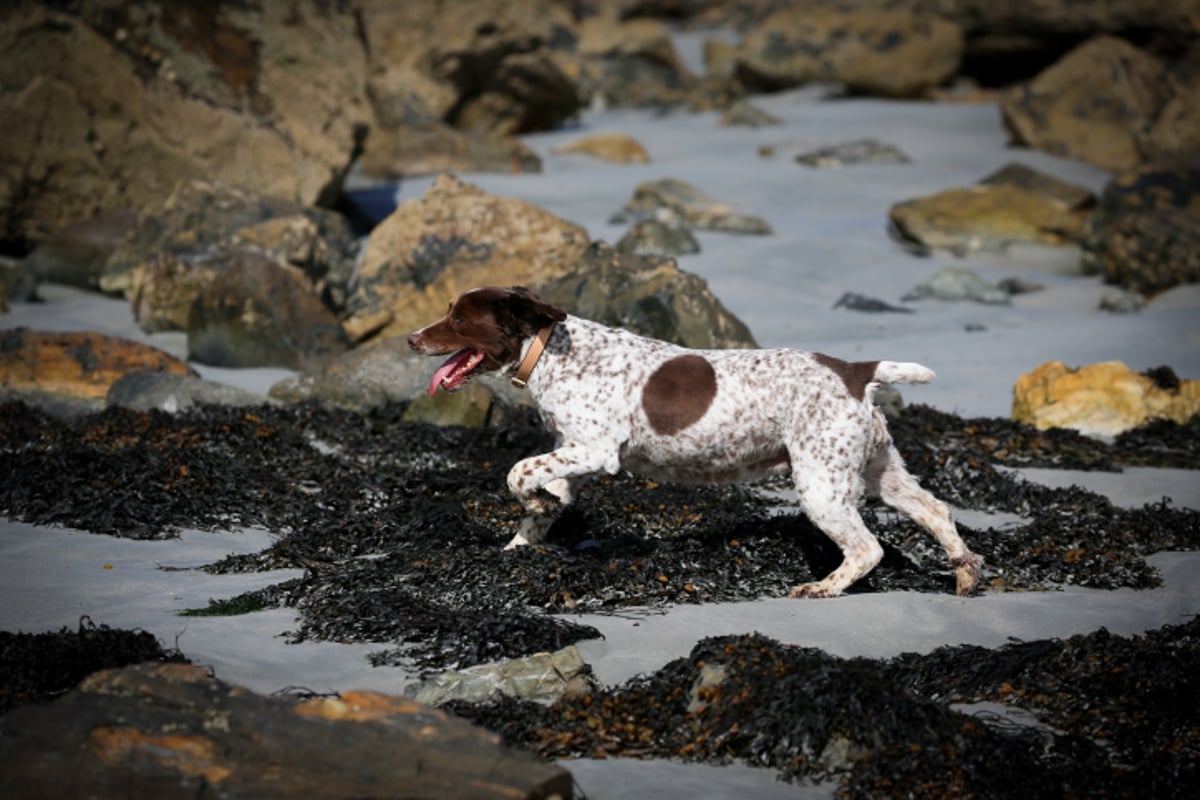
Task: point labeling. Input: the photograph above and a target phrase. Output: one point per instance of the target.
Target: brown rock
(1101, 399)
(615, 147)
(454, 238)
(483, 66)
(110, 109)
(172, 731)
(872, 51)
(79, 365)
(1093, 104)
(1015, 204)
(434, 148)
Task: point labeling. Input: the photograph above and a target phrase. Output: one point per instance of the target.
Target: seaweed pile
(39, 667)
(398, 525)
(1116, 717)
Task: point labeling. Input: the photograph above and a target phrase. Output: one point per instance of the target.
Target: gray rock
(852, 301)
(543, 676)
(957, 283)
(76, 254)
(18, 283)
(157, 391)
(1121, 301)
(257, 313)
(675, 202)
(859, 151)
(650, 237)
(745, 114)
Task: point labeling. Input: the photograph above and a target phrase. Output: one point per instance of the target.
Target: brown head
(483, 329)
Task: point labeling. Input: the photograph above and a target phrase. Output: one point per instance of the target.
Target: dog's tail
(903, 372)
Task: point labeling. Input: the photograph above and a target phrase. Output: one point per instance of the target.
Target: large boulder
(1107, 102)
(631, 63)
(73, 372)
(110, 104)
(257, 313)
(454, 238)
(177, 247)
(1102, 399)
(870, 51)
(76, 254)
(173, 731)
(648, 295)
(486, 66)
(1145, 231)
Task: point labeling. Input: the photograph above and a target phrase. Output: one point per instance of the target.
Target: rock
(151, 391)
(489, 66)
(76, 253)
(852, 301)
(653, 238)
(1094, 104)
(110, 108)
(1015, 204)
(172, 731)
(1121, 301)
(389, 372)
(1145, 232)
(631, 63)
(871, 51)
(860, 151)
(435, 147)
(455, 237)
(256, 313)
(1102, 399)
(73, 372)
(615, 147)
(175, 248)
(362, 379)
(675, 202)
(650, 296)
(542, 676)
(957, 283)
(17, 281)
(745, 114)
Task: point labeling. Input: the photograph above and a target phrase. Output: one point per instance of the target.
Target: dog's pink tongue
(452, 363)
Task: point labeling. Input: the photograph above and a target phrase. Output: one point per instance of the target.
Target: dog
(615, 400)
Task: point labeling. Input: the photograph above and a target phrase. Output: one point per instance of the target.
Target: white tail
(903, 372)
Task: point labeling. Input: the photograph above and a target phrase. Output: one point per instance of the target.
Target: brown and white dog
(615, 400)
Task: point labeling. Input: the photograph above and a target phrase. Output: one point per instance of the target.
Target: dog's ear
(530, 312)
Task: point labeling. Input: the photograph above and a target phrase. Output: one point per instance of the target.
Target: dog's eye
(457, 320)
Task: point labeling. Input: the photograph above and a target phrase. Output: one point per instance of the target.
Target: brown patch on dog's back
(854, 374)
(679, 393)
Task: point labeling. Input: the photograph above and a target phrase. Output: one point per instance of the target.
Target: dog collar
(531, 358)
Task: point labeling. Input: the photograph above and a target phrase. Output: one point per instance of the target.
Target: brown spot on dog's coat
(854, 374)
(678, 393)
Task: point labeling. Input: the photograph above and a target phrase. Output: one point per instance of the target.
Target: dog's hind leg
(889, 479)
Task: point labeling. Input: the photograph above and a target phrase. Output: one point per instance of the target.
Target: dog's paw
(966, 572)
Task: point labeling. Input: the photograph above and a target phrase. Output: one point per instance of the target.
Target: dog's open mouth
(456, 371)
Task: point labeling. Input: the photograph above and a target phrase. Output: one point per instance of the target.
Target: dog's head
(483, 329)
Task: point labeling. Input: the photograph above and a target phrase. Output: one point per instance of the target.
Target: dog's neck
(533, 354)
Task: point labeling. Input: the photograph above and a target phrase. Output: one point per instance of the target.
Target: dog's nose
(414, 340)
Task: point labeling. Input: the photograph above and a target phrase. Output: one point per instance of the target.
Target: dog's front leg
(545, 485)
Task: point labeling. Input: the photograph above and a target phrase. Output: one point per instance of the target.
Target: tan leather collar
(531, 358)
